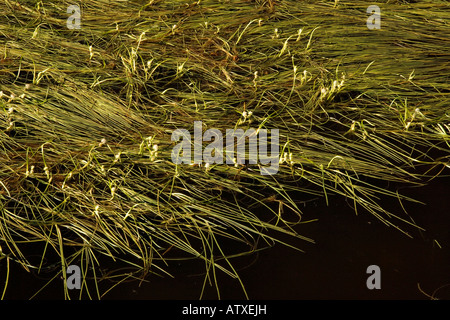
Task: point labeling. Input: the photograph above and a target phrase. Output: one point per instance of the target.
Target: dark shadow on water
(334, 267)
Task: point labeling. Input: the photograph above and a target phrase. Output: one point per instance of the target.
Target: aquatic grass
(87, 116)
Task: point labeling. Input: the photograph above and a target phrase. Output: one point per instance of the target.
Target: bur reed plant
(87, 114)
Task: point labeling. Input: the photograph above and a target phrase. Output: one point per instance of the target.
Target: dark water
(332, 268)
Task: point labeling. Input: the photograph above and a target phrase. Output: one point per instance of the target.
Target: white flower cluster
(335, 87)
(47, 173)
(10, 126)
(91, 52)
(304, 77)
(13, 96)
(117, 157)
(154, 152)
(113, 192)
(30, 172)
(417, 112)
(276, 35)
(102, 142)
(68, 178)
(255, 76)
(299, 34)
(147, 143)
(286, 158)
(235, 162)
(96, 209)
(11, 110)
(245, 117)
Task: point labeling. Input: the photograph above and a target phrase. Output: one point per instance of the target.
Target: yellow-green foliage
(86, 117)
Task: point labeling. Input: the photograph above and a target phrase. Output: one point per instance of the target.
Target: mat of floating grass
(87, 117)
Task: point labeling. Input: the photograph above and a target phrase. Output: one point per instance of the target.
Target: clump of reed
(87, 116)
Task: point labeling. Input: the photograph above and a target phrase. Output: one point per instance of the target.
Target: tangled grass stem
(86, 117)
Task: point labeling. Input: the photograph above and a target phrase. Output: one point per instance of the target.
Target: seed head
(10, 126)
(102, 142)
